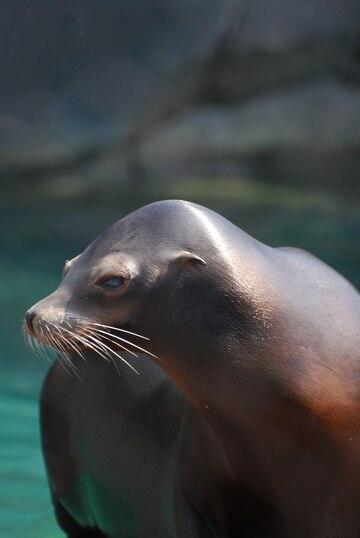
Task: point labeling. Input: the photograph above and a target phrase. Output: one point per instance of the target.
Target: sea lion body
(126, 455)
(263, 342)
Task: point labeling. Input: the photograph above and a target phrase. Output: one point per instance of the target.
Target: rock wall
(259, 89)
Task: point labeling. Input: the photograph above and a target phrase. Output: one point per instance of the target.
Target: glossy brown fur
(263, 342)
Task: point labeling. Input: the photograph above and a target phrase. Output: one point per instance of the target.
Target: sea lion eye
(113, 282)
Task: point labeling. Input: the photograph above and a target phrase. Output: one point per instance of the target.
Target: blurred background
(251, 108)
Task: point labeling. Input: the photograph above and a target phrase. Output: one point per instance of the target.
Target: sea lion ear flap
(187, 258)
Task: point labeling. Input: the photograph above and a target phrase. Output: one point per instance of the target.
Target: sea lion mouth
(75, 339)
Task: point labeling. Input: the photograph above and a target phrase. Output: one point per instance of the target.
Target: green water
(35, 242)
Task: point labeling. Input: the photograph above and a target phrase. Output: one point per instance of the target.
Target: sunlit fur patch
(74, 340)
(329, 395)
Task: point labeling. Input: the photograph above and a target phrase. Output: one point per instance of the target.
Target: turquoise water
(35, 243)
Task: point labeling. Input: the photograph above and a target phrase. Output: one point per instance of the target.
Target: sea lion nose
(29, 316)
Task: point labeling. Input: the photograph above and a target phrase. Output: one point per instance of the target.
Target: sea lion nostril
(29, 316)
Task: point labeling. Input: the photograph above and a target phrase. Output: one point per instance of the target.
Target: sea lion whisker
(53, 350)
(32, 345)
(72, 366)
(86, 343)
(64, 354)
(117, 344)
(63, 364)
(77, 348)
(121, 347)
(96, 341)
(122, 359)
(25, 336)
(67, 342)
(114, 352)
(92, 346)
(109, 351)
(104, 349)
(39, 344)
(55, 340)
(27, 340)
(72, 345)
(118, 329)
(127, 342)
(33, 348)
(45, 352)
(40, 348)
(40, 351)
(65, 360)
(36, 349)
(116, 366)
(112, 360)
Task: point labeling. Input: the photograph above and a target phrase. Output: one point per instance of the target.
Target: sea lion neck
(210, 348)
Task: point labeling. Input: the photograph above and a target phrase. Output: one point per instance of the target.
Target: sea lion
(262, 341)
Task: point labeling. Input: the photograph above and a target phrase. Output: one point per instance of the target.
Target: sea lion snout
(48, 312)
(29, 317)
(48, 324)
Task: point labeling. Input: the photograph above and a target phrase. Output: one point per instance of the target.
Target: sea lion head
(147, 273)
